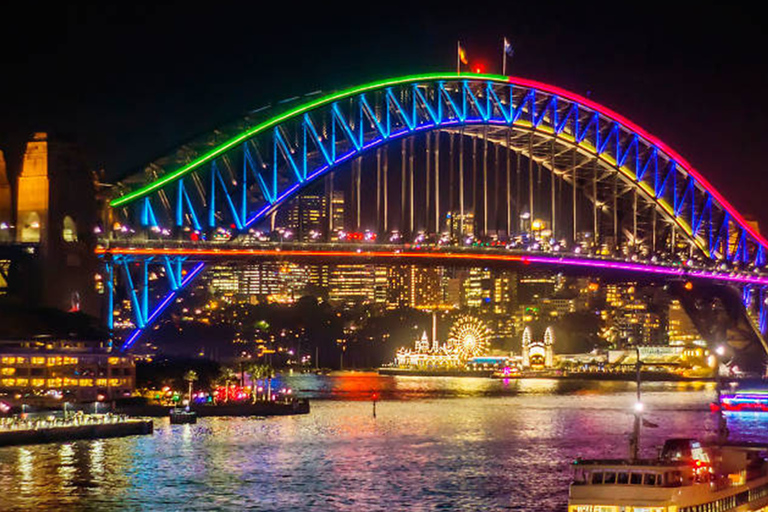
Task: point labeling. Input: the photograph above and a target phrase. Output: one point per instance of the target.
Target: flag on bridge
(461, 57)
(509, 51)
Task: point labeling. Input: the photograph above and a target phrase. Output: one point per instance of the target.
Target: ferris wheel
(468, 337)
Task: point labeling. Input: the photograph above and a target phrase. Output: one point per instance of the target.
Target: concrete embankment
(75, 432)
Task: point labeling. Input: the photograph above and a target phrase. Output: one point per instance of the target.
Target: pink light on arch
(674, 155)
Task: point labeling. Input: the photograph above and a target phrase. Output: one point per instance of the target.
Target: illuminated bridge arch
(619, 167)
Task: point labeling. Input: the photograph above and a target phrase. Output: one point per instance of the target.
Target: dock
(16, 431)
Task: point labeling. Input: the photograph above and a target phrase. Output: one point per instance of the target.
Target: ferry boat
(686, 477)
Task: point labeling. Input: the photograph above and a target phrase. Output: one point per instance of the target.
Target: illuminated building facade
(538, 350)
(426, 289)
(351, 285)
(477, 288)
(306, 216)
(73, 369)
(680, 328)
(459, 224)
(399, 287)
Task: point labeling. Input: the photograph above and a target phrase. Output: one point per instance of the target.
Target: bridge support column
(461, 185)
(403, 187)
(437, 183)
(378, 191)
(553, 199)
(595, 219)
(411, 154)
(451, 170)
(427, 180)
(109, 277)
(485, 181)
(574, 189)
(508, 189)
(530, 183)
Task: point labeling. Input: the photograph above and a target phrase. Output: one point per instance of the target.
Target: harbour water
(436, 444)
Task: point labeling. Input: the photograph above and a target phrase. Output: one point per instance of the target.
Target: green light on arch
(218, 151)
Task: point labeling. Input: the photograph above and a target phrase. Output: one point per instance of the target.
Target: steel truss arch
(244, 179)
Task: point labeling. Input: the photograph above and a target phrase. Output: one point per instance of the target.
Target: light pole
(634, 442)
(722, 426)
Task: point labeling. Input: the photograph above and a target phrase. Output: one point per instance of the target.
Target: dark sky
(129, 82)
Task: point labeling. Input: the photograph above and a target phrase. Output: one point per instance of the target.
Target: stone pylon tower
(33, 193)
(56, 213)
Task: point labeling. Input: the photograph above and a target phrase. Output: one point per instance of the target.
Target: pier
(18, 431)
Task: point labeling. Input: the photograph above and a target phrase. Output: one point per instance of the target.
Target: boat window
(623, 478)
(597, 477)
(636, 479)
(650, 479)
(610, 478)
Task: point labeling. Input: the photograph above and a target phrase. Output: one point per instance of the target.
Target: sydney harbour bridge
(448, 169)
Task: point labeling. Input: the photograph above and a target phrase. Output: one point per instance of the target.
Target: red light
(194, 237)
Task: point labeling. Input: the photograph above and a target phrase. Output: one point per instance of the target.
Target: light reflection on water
(436, 444)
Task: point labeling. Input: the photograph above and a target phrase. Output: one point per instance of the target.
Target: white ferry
(686, 477)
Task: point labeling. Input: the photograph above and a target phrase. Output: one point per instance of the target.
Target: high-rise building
(306, 216)
(504, 292)
(426, 292)
(399, 289)
(680, 327)
(380, 284)
(478, 291)
(351, 285)
(224, 281)
(337, 210)
(459, 224)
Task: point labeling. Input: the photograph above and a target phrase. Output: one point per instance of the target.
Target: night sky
(130, 82)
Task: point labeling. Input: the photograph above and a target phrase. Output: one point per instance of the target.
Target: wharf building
(67, 369)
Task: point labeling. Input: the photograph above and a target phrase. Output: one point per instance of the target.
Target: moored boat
(181, 416)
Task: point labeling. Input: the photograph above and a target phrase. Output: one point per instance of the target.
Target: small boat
(744, 401)
(180, 416)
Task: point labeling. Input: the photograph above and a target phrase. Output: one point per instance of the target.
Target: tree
(259, 371)
(226, 376)
(190, 376)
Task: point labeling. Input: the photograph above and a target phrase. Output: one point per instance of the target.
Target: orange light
(688, 285)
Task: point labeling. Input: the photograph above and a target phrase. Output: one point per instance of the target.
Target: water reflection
(459, 444)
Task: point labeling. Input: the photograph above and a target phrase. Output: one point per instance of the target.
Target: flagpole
(458, 57)
(504, 57)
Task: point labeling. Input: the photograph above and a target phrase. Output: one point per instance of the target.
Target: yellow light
(86, 383)
(113, 360)
(38, 383)
(8, 371)
(101, 382)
